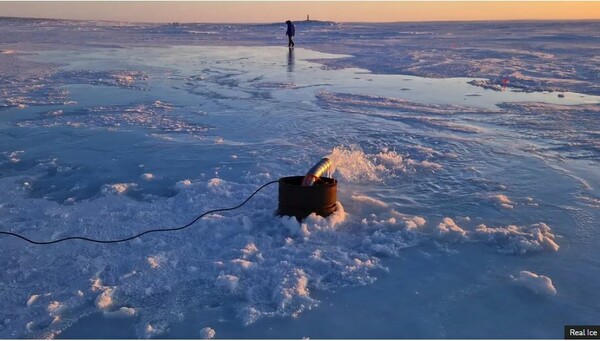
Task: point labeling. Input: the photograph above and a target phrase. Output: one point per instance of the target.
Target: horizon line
(304, 20)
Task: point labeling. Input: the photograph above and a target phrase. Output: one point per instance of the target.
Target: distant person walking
(291, 31)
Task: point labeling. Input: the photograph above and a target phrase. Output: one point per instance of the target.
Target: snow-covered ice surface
(466, 210)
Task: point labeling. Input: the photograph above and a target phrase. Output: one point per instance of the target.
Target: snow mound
(157, 261)
(448, 230)
(539, 284)
(218, 186)
(293, 290)
(122, 312)
(15, 157)
(410, 229)
(154, 329)
(147, 176)
(207, 333)
(330, 222)
(105, 299)
(502, 200)
(228, 282)
(119, 188)
(517, 239)
(32, 299)
(410, 222)
(183, 183)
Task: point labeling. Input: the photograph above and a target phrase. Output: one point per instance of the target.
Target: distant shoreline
(309, 21)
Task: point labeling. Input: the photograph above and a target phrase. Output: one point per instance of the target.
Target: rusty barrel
(300, 201)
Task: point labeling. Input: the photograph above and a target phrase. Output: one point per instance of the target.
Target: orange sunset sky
(276, 11)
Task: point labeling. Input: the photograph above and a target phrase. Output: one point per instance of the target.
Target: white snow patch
(410, 222)
(153, 329)
(360, 264)
(518, 239)
(293, 290)
(120, 188)
(32, 299)
(14, 157)
(207, 333)
(157, 261)
(539, 284)
(531, 202)
(105, 300)
(183, 183)
(54, 308)
(448, 229)
(147, 176)
(294, 226)
(502, 200)
(218, 186)
(163, 105)
(97, 285)
(329, 222)
(242, 264)
(229, 282)
(120, 313)
(249, 249)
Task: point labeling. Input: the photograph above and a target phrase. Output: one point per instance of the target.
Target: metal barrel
(316, 172)
(300, 201)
